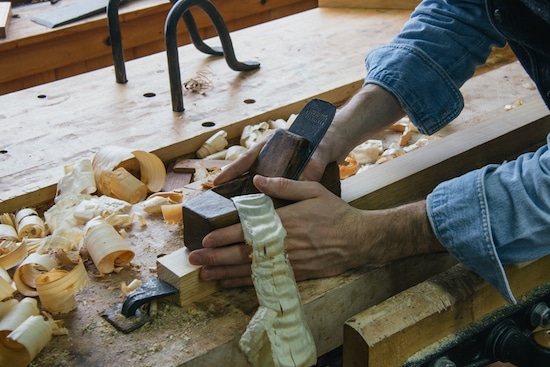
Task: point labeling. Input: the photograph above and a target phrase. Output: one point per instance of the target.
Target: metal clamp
(115, 39)
(181, 9)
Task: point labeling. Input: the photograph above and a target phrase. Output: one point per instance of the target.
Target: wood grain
(58, 123)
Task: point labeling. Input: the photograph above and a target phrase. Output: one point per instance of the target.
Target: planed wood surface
(492, 141)
(430, 311)
(74, 121)
(84, 45)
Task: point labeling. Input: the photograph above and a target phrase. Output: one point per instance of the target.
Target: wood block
(188, 165)
(5, 15)
(176, 270)
(429, 311)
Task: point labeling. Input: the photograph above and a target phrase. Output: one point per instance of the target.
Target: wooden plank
(428, 312)
(369, 4)
(5, 16)
(492, 141)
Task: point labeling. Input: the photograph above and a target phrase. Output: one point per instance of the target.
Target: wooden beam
(429, 311)
(416, 174)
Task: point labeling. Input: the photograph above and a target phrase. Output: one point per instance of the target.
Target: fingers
(224, 236)
(229, 276)
(229, 264)
(287, 189)
(222, 256)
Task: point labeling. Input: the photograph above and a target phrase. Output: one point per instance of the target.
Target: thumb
(286, 189)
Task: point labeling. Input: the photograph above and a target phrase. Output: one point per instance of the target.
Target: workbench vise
(285, 154)
(518, 334)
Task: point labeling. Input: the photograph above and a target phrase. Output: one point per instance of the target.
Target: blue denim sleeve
(496, 215)
(435, 53)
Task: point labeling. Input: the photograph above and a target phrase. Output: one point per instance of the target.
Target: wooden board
(428, 312)
(491, 141)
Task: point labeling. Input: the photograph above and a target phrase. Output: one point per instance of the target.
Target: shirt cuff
(425, 91)
(457, 210)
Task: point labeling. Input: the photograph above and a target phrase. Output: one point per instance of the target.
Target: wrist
(400, 232)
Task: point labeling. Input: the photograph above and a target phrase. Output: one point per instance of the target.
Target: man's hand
(323, 236)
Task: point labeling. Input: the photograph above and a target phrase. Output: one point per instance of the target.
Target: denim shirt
(499, 214)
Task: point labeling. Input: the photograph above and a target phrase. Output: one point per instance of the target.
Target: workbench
(303, 56)
(34, 54)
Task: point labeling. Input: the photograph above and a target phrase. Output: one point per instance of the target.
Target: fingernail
(194, 259)
(260, 180)
(207, 274)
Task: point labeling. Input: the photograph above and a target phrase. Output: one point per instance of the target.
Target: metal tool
(129, 316)
(285, 155)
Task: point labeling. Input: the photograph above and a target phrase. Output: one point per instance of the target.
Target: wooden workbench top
(302, 56)
(45, 127)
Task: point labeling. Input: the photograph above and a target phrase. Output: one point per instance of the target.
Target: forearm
(399, 232)
(368, 112)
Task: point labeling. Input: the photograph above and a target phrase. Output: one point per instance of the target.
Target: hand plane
(285, 154)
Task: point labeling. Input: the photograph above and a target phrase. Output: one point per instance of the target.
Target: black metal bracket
(181, 9)
(115, 38)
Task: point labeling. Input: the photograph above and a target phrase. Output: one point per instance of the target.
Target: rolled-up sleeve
(496, 215)
(431, 58)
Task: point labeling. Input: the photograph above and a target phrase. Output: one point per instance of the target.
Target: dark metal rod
(170, 38)
(115, 38)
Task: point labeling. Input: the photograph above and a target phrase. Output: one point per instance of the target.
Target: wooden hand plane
(285, 154)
